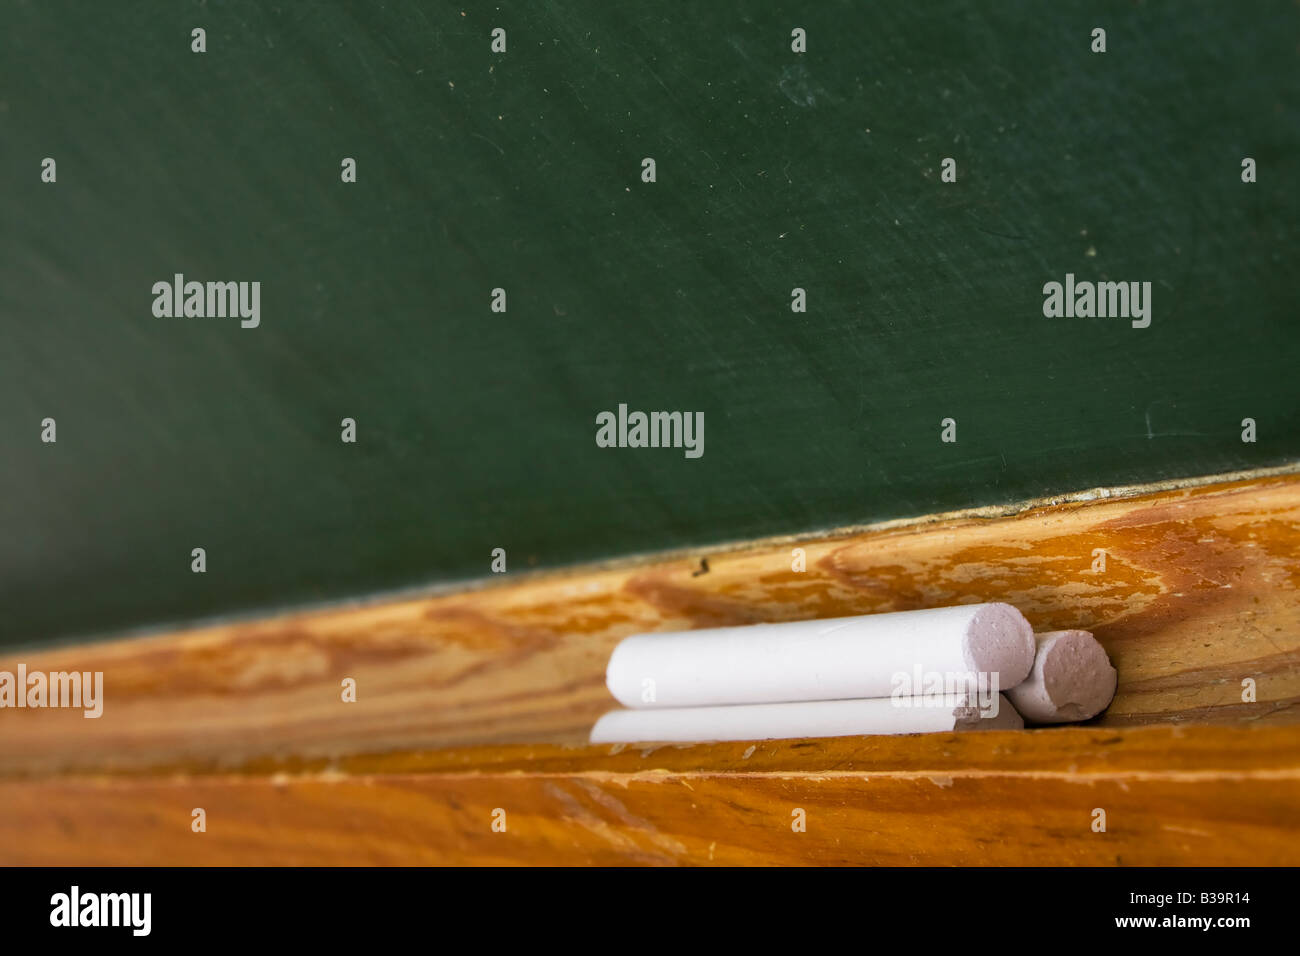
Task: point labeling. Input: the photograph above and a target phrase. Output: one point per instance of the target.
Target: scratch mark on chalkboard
(374, 85)
(576, 95)
(990, 232)
(651, 71)
(1153, 434)
(734, 43)
(489, 142)
(1001, 235)
(797, 86)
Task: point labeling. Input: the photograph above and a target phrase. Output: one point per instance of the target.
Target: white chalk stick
(1072, 679)
(817, 718)
(837, 658)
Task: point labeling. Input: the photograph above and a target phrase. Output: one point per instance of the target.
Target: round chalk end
(621, 672)
(1077, 675)
(999, 640)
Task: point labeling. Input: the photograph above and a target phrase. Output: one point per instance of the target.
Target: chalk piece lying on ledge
(817, 718)
(1072, 679)
(830, 659)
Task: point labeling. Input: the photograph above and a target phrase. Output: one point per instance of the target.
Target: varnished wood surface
(1199, 593)
(1182, 795)
(479, 701)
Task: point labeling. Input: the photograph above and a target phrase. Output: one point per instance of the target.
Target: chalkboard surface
(523, 171)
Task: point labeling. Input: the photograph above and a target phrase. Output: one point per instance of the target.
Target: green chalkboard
(522, 170)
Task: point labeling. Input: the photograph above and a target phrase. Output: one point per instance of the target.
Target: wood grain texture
(1199, 592)
(1183, 795)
